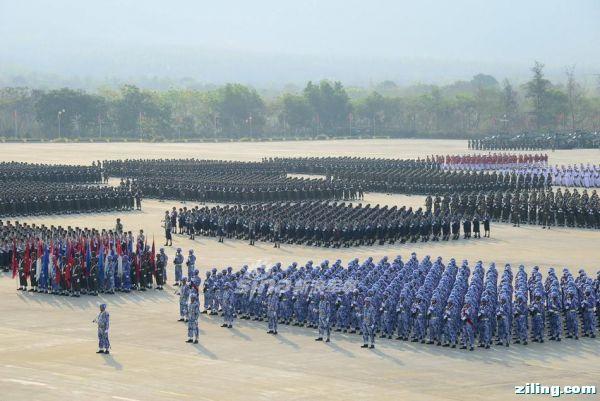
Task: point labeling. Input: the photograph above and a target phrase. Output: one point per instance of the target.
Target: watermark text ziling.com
(554, 391)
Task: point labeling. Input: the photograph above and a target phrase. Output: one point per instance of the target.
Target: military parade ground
(48, 341)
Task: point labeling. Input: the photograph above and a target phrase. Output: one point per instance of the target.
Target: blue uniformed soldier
(587, 311)
(178, 261)
(483, 320)
(103, 321)
(571, 308)
(521, 320)
(468, 329)
(554, 317)
(368, 324)
(184, 295)
(227, 305)
(324, 318)
(193, 315)
(272, 311)
(502, 320)
(191, 263)
(537, 312)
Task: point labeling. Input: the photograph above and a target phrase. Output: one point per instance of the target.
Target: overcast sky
(345, 39)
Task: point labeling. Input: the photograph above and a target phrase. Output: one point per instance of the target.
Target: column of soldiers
(222, 181)
(39, 189)
(132, 168)
(241, 189)
(76, 261)
(328, 166)
(344, 178)
(587, 176)
(493, 161)
(525, 141)
(432, 180)
(16, 171)
(417, 300)
(421, 176)
(40, 198)
(546, 208)
(518, 142)
(324, 224)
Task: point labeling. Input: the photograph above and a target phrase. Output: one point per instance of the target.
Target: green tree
(295, 112)
(330, 103)
(556, 108)
(239, 109)
(510, 106)
(18, 112)
(537, 90)
(574, 97)
(484, 81)
(78, 112)
(192, 112)
(373, 109)
(141, 113)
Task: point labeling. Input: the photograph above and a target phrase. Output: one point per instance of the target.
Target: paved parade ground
(48, 343)
(82, 153)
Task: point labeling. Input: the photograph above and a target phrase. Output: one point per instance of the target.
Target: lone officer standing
(103, 321)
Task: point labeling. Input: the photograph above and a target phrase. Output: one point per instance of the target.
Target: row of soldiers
(38, 172)
(418, 300)
(243, 189)
(540, 207)
(137, 168)
(493, 161)
(223, 181)
(533, 141)
(226, 181)
(344, 178)
(328, 166)
(428, 181)
(415, 176)
(568, 176)
(75, 261)
(42, 198)
(323, 224)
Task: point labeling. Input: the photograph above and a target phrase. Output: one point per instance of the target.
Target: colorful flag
(101, 261)
(27, 261)
(45, 261)
(88, 262)
(56, 262)
(70, 264)
(153, 257)
(14, 262)
(138, 268)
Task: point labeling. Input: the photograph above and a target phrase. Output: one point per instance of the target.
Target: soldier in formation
(42, 198)
(536, 141)
(330, 224)
(422, 300)
(546, 208)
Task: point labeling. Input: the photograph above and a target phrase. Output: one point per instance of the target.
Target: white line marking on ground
(177, 394)
(25, 382)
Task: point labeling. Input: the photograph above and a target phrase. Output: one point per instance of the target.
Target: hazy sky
(352, 39)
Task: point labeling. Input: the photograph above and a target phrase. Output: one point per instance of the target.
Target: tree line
(464, 109)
